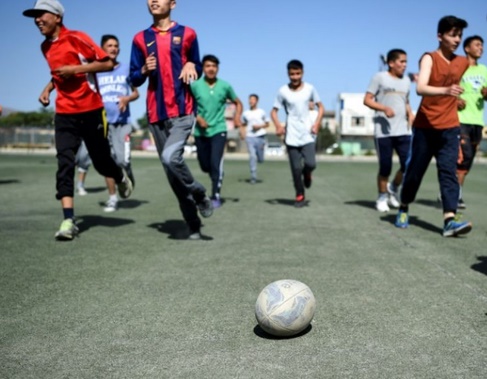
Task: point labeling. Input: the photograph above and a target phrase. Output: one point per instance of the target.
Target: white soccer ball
(285, 308)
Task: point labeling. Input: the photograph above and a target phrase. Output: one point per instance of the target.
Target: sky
(339, 42)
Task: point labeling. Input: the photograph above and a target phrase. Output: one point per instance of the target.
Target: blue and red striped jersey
(167, 96)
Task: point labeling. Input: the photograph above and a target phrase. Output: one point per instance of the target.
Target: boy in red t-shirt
(74, 59)
(436, 128)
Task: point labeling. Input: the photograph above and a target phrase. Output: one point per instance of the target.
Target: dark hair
(393, 54)
(106, 37)
(469, 40)
(295, 65)
(448, 23)
(254, 95)
(211, 58)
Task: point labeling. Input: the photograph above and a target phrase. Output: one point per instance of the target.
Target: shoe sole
(128, 186)
(453, 233)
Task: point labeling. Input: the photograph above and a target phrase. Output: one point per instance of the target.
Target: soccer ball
(285, 308)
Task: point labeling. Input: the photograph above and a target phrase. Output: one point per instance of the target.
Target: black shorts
(470, 138)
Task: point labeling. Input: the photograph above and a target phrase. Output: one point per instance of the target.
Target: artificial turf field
(130, 298)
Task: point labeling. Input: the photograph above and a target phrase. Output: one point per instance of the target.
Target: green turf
(130, 299)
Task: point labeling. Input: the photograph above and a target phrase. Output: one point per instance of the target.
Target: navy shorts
(385, 149)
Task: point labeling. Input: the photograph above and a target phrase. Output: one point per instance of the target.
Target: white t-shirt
(296, 106)
(253, 117)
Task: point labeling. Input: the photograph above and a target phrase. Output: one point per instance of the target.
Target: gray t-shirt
(392, 92)
(296, 105)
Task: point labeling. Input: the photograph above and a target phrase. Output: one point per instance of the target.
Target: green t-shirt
(211, 103)
(472, 82)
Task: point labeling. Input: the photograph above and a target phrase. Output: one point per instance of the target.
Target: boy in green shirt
(471, 109)
(212, 95)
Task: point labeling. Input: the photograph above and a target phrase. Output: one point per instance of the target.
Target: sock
(68, 213)
(81, 185)
(404, 208)
(383, 196)
(113, 197)
(448, 219)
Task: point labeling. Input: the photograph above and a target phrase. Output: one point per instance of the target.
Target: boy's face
(210, 69)
(398, 66)
(451, 39)
(111, 48)
(47, 23)
(295, 76)
(475, 49)
(161, 7)
(253, 101)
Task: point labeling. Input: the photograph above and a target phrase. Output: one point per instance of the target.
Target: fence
(27, 137)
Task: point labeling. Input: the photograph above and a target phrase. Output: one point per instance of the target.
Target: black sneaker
(461, 204)
(307, 180)
(205, 207)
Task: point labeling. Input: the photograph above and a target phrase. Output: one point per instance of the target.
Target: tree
(42, 118)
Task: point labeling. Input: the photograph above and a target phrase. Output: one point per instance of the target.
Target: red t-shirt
(78, 93)
(440, 112)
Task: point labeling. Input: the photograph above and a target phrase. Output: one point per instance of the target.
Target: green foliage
(337, 151)
(324, 139)
(42, 118)
(143, 123)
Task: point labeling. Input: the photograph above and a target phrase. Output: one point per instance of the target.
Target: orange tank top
(440, 112)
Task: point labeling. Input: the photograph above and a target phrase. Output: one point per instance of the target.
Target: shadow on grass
(127, 204)
(413, 220)
(288, 202)
(9, 181)
(249, 181)
(362, 203)
(259, 332)
(481, 266)
(176, 230)
(230, 200)
(88, 221)
(429, 203)
(95, 189)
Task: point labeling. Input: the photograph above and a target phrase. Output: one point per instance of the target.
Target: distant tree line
(42, 118)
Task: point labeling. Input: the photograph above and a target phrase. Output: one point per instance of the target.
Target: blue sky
(339, 42)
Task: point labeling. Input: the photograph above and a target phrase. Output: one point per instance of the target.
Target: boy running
(300, 131)
(471, 108)
(388, 95)
(212, 94)
(74, 58)
(436, 128)
(167, 54)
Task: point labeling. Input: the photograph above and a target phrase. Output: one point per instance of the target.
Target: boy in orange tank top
(436, 128)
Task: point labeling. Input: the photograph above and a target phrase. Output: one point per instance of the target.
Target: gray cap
(51, 6)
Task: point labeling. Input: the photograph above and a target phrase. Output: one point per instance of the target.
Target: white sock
(113, 197)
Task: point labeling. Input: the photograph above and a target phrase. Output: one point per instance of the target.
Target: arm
(92, 67)
(277, 124)
(123, 101)
(321, 111)
(192, 68)
(238, 113)
(44, 97)
(424, 89)
(409, 113)
(140, 66)
(369, 101)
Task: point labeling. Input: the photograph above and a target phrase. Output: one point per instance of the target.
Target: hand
(483, 91)
(150, 64)
(202, 122)
(461, 104)
(237, 122)
(279, 130)
(241, 133)
(188, 73)
(454, 90)
(389, 112)
(65, 71)
(44, 98)
(123, 102)
(315, 129)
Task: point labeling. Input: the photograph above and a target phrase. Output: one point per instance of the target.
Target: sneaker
(461, 204)
(205, 207)
(402, 220)
(216, 203)
(253, 181)
(299, 203)
(393, 196)
(67, 231)
(194, 234)
(307, 180)
(111, 206)
(455, 228)
(381, 205)
(125, 187)
(82, 191)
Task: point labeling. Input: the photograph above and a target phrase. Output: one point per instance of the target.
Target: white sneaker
(381, 205)
(111, 206)
(393, 197)
(82, 191)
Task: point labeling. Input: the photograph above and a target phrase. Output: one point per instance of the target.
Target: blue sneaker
(402, 220)
(455, 228)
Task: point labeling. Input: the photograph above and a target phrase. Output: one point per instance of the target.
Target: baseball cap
(51, 6)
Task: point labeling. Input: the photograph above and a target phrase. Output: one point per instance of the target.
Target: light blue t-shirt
(296, 106)
(114, 84)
